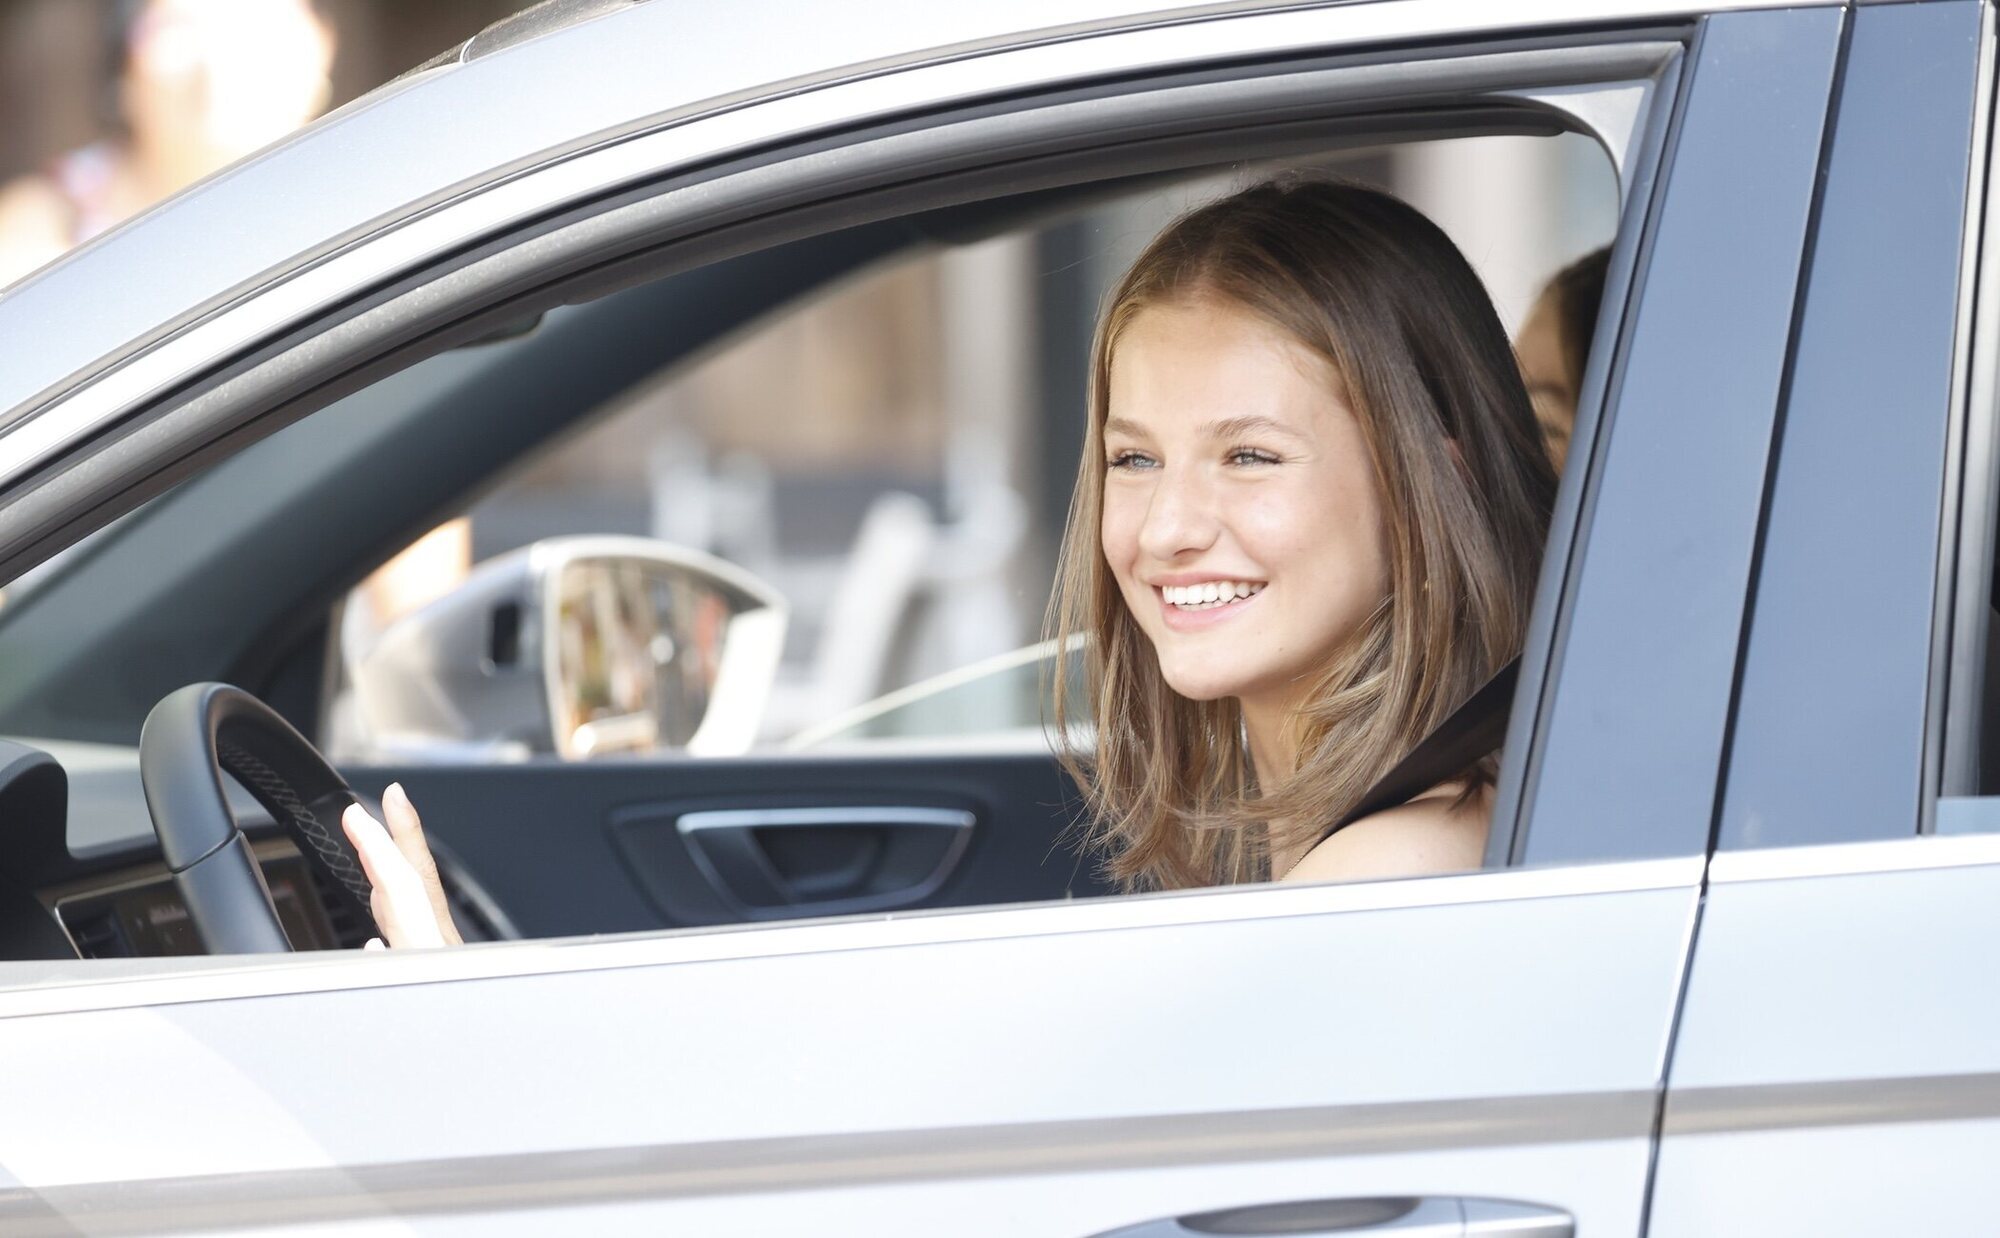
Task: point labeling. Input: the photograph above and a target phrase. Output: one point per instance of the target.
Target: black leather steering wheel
(190, 740)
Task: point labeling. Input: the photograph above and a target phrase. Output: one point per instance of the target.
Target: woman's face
(1237, 470)
(1546, 373)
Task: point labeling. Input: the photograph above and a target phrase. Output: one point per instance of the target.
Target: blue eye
(1129, 460)
(1251, 455)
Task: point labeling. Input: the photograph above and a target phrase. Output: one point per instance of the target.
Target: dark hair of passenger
(1371, 285)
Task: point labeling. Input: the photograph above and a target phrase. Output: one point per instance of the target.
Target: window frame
(1866, 587)
(1629, 748)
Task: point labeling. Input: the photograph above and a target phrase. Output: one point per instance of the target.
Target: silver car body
(1797, 1041)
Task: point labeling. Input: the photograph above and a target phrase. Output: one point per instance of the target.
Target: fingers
(400, 904)
(408, 832)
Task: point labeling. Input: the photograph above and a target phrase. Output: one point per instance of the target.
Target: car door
(1837, 1035)
(1475, 1050)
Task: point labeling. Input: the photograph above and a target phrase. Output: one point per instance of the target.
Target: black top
(1474, 730)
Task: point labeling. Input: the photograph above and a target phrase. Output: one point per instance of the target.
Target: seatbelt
(1474, 730)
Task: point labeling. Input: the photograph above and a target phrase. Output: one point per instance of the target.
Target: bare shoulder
(1431, 834)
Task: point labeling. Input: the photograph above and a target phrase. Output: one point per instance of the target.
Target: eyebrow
(1227, 427)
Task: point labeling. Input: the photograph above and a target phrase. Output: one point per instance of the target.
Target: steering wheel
(190, 740)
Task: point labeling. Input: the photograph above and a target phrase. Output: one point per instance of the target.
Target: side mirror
(581, 647)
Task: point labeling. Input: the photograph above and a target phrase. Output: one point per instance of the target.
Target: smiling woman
(1306, 528)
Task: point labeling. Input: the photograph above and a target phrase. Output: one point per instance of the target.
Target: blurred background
(60, 59)
(110, 105)
(894, 455)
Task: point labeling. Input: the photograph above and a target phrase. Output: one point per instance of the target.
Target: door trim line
(808, 1162)
(1842, 1102)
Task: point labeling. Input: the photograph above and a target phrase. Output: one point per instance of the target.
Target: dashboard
(81, 874)
(137, 912)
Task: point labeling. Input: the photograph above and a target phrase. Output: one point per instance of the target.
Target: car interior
(233, 569)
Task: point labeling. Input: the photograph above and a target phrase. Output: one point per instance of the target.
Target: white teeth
(1210, 594)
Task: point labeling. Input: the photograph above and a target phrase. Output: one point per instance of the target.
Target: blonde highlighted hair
(1376, 289)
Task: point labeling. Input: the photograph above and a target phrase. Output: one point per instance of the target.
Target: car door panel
(590, 848)
(1838, 1036)
(1522, 1065)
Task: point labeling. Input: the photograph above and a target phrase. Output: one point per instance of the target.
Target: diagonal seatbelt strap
(1474, 730)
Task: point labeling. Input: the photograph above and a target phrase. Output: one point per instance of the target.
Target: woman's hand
(408, 902)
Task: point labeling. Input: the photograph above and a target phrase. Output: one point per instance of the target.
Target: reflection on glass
(638, 654)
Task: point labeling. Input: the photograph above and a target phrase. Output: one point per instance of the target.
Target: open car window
(888, 452)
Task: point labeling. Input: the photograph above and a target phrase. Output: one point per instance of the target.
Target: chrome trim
(461, 221)
(228, 978)
(1844, 1102)
(801, 818)
(848, 1159)
(1962, 636)
(1886, 855)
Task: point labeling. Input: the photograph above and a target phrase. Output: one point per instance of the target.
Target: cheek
(1118, 535)
(1324, 536)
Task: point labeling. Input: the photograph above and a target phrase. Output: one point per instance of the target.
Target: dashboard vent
(96, 933)
(349, 930)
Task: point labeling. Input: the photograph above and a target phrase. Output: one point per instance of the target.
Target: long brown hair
(1372, 286)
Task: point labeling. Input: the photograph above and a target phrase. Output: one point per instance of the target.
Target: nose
(1180, 517)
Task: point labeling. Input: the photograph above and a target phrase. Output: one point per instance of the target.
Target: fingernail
(395, 792)
(374, 943)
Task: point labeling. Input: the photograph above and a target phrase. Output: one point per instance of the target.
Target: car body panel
(1063, 1068)
(1058, 1044)
(1838, 1037)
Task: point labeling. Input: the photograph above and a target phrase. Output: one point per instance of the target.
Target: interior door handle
(772, 862)
(1393, 1217)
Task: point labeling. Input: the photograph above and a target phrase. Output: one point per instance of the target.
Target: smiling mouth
(1214, 595)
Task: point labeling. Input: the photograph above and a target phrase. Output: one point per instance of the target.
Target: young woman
(1306, 528)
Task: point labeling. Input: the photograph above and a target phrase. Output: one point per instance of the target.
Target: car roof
(492, 106)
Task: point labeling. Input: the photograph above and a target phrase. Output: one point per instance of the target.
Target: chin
(1202, 686)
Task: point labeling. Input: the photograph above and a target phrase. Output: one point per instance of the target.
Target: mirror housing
(578, 647)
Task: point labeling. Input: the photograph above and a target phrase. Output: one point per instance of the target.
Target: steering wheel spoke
(189, 741)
